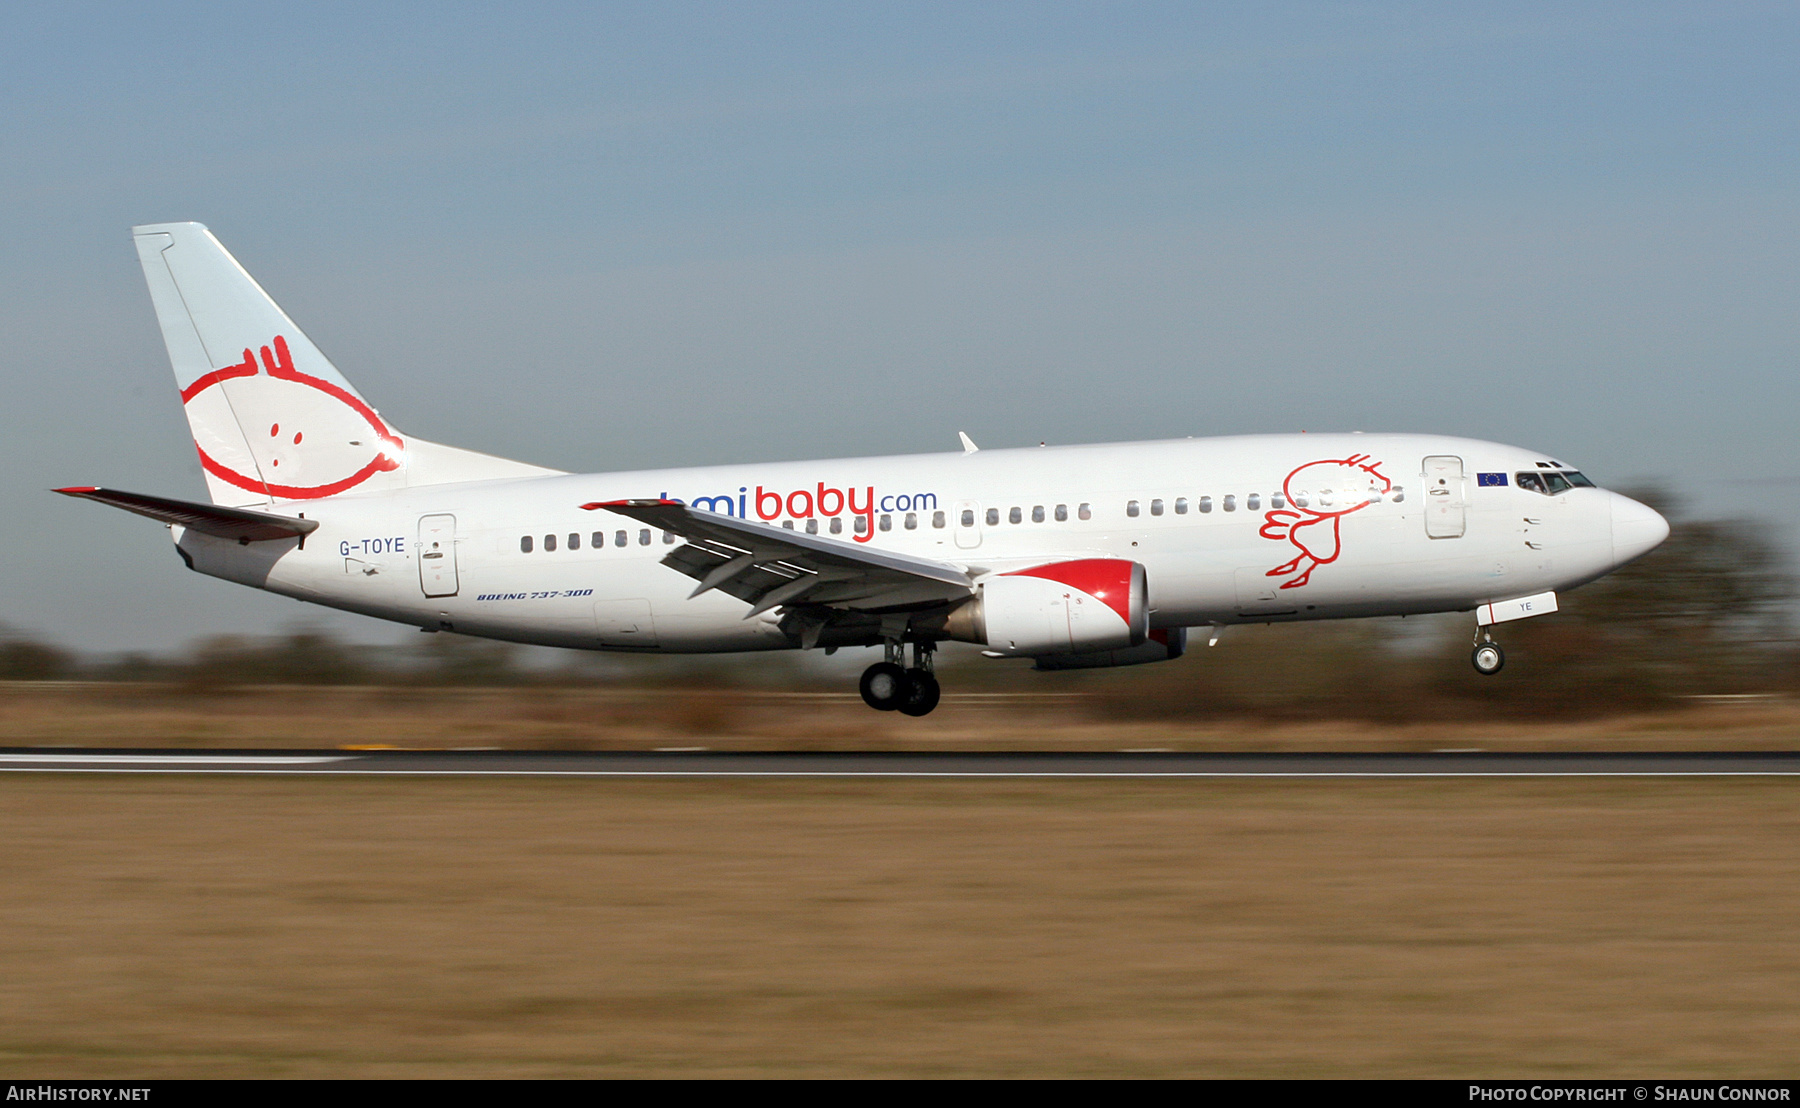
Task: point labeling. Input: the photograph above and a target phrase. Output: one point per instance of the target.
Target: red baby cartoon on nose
(1324, 493)
(321, 438)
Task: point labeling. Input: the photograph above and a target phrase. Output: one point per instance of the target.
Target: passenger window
(1205, 505)
(788, 524)
(1062, 513)
(1253, 501)
(1013, 515)
(1156, 507)
(574, 541)
(993, 517)
(968, 517)
(1397, 495)
(668, 538)
(1299, 500)
(911, 522)
(597, 539)
(1276, 500)
(1231, 503)
(1181, 505)
(644, 537)
(937, 520)
(1131, 508)
(1037, 513)
(887, 523)
(1085, 512)
(862, 525)
(549, 543)
(812, 525)
(837, 525)
(618, 538)
(524, 544)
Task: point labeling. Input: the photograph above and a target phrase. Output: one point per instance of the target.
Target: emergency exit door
(1446, 504)
(437, 555)
(968, 524)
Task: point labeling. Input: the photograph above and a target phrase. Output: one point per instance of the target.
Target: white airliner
(1076, 556)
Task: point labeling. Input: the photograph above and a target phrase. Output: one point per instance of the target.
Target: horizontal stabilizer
(241, 524)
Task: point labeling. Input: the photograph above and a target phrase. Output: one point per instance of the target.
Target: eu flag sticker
(1487, 480)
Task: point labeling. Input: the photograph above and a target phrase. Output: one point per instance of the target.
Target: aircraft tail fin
(272, 418)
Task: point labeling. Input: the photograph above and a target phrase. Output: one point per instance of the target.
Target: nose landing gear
(888, 687)
(1488, 658)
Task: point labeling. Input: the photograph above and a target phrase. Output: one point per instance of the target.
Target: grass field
(561, 718)
(211, 926)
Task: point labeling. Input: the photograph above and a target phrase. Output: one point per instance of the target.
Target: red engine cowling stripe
(1107, 579)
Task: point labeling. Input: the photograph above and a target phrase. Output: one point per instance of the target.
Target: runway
(701, 763)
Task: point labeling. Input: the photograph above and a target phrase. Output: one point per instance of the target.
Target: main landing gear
(887, 686)
(1488, 658)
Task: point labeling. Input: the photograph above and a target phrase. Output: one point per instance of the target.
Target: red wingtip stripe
(77, 490)
(628, 504)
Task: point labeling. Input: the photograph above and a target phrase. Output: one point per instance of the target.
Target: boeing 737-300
(1075, 556)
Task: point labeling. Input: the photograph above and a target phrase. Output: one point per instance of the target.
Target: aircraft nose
(1637, 529)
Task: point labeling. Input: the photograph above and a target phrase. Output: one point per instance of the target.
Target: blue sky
(610, 236)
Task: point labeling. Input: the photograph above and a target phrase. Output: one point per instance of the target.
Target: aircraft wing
(241, 524)
(767, 566)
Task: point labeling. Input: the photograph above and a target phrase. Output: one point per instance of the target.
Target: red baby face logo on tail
(1322, 493)
(308, 437)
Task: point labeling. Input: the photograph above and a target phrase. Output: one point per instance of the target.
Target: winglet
(969, 446)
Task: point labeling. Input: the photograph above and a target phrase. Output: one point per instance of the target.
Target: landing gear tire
(1488, 658)
(924, 694)
(885, 687)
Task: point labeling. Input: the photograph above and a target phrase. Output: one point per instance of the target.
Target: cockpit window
(1550, 482)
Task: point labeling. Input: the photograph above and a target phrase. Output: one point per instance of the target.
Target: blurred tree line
(309, 656)
(302, 656)
(1709, 612)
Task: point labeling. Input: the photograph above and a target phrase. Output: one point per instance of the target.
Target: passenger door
(1445, 501)
(437, 555)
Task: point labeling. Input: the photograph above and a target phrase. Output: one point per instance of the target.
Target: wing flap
(768, 566)
(241, 524)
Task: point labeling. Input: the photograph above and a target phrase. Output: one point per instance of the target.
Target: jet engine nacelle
(1076, 607)
(1163, 645)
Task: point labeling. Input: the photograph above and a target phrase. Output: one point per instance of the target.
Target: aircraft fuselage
(1211, 520)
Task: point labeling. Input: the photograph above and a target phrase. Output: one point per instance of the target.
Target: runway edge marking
(241, 770)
